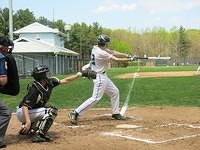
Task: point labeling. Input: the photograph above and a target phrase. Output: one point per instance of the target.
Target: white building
(39, 44)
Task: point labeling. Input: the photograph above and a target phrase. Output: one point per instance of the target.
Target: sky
(116, 14)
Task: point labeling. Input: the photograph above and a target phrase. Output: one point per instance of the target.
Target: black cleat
(37, 137)
(2, 145)
(118, 117)
(47, 138)
(73, 116)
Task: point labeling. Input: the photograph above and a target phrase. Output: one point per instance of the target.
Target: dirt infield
(158, 74)
(150, 128)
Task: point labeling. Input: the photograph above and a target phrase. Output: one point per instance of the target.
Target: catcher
(35, 117)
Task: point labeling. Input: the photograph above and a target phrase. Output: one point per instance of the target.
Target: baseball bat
(154, 58)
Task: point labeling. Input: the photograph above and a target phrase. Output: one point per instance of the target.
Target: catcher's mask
(103, 39)
(6, 42)
(40, 72)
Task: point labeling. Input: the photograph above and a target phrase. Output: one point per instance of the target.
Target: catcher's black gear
(90, 74)
(43, 125)
(37, 95)
(40, 72)
(103, 39)
(12, 87)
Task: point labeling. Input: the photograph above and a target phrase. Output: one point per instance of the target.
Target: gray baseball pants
(5, 115)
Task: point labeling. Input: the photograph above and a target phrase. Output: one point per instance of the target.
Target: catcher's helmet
(40, 72)
(5, 41)
(103, 40)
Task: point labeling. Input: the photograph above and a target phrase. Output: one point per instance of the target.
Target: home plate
(127, 126)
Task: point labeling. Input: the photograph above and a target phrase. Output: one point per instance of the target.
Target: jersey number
(93, 59)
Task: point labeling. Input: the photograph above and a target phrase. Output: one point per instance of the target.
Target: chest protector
(45, 93)
(12, 87)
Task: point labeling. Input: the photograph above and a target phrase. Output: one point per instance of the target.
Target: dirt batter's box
(158, 134)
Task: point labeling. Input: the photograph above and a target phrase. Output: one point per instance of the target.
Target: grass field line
(149, 141)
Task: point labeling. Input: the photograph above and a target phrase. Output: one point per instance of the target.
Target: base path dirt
(158, 74)
(146, 128)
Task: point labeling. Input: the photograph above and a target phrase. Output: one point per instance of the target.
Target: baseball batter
(101, 56)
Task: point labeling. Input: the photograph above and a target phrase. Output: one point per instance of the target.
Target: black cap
(5, 41)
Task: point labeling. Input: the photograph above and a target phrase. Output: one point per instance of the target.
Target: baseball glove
(88, 73)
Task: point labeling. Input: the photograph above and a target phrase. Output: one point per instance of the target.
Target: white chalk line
(149, 141)
(174, 124)
(125, 106)
(177, 124)
(66, 126)
(131, 117)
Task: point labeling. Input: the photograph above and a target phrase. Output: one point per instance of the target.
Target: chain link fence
(62, 64)
(58, 64)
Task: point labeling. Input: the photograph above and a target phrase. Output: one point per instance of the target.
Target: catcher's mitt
(90, 74)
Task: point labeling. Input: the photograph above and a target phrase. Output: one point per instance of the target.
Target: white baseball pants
(102, 84)
(35, 114)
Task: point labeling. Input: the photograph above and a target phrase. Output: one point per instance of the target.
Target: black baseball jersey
(38, 95)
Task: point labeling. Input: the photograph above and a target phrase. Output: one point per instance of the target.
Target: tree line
(176, 42)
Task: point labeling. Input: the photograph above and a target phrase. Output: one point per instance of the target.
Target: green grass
(167, 91)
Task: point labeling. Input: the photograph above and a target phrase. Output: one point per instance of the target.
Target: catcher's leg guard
(43, 125)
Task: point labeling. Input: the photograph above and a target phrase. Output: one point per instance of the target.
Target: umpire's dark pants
(5, 115)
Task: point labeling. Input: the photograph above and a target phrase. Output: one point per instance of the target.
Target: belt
(102, 72)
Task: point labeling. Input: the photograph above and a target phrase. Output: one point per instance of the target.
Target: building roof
(25, 45)
(38, 28)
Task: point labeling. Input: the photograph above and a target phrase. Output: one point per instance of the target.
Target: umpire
(9, 83)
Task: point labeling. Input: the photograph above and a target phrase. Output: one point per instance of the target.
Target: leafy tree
(45, 21)
(23, 18)
(194, 37)
(184, 43)
(177, 42)
(96, 29)
(83, 37)
(121, 46)
(4, 21)
(60, 25)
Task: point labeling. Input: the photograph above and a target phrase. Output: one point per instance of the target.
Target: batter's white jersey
(100, 60)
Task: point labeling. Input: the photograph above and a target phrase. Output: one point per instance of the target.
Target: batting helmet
(103, 40)
(40, 72)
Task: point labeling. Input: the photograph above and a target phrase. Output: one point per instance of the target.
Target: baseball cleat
(118, 117)
(73, 116)
(47, 138)
(2, 145)
(37, 137)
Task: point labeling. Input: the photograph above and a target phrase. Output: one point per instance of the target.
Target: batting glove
(131, 57)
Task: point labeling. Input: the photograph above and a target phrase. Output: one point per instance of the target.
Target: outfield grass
(163, 91)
